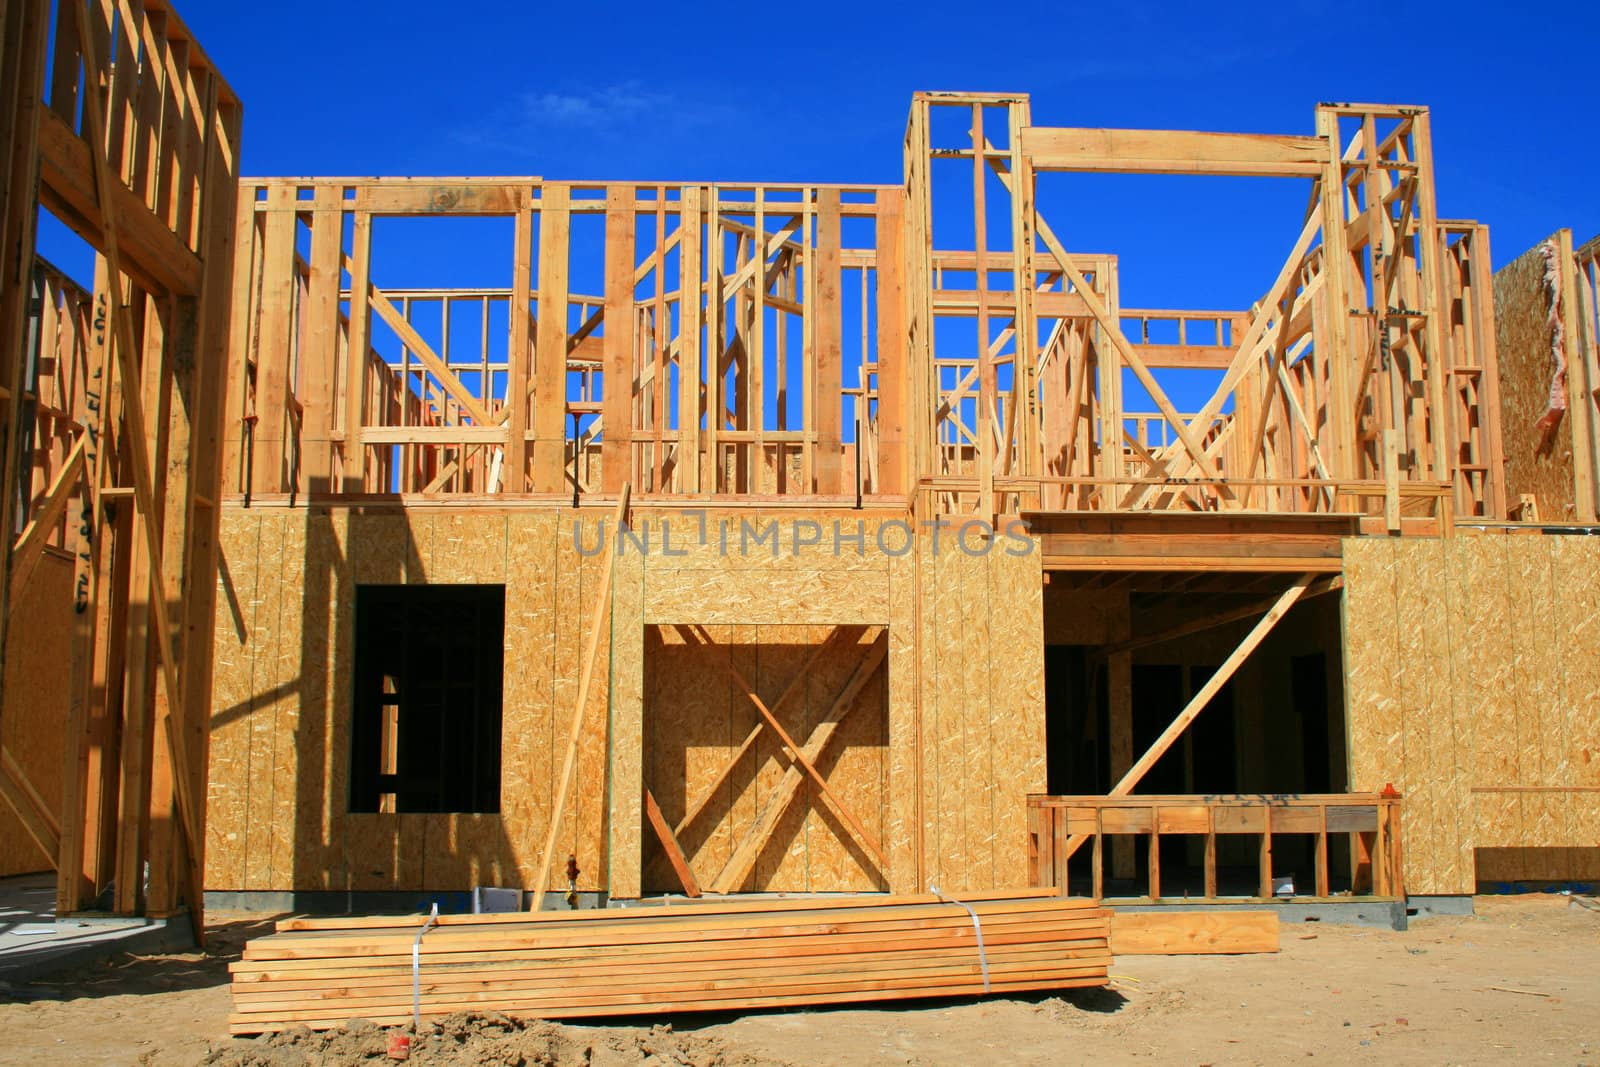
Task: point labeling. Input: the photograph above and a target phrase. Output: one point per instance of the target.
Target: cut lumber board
(1173, 933)
(711, 955)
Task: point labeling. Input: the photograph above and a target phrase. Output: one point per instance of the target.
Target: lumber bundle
(717, 955)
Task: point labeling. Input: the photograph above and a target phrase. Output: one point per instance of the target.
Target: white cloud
(607, 106)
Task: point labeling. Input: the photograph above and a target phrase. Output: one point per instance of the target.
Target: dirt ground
(1517, 982)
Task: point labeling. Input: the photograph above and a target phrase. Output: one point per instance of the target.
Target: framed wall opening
(1125, 654)
(427, 704)
(742, 815)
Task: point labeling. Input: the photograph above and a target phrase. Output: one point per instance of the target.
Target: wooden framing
(1376, 324)
(1371, 821)
(111, 411)
(1545, 327)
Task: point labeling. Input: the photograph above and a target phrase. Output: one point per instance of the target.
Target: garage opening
(1127, 654)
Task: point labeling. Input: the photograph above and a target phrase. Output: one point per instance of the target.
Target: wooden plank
(521, 353)
(550, 351)
(616, 457)
(155, 256)
(696, 956)
(319, 346)
(896, 466)
(827, 329)
(1225, 931)
(602, 608)
(687, 464)
(1173, 152)
(669, 842)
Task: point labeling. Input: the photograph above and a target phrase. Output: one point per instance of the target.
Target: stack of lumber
(710, 955)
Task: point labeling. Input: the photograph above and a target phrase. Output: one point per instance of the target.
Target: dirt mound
(487, 1038)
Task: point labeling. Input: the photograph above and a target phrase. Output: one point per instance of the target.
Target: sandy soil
(1518, 982)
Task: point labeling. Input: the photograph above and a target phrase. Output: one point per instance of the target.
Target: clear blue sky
(819, 92)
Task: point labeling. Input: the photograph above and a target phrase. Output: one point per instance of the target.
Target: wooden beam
(1174, 152)
(827, 330)
(669, 844)
(602, 608)
(519, 380)
(616, 454)
(1225, 932)
(550, 349)
(895, 461)
(155, 257)
(686, 467)
(320, 341)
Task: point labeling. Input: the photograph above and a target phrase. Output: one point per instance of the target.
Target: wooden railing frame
(1371, 820)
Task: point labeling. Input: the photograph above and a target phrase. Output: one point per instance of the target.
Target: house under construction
(785, 537)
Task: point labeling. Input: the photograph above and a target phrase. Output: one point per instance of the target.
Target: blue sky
(820, 92)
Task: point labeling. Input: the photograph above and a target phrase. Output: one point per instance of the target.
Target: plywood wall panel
(316, 854)
(933, 841)
(624, 851)
(970, 642)
(528, 763)
(1537, 692)
(1017, 685)
(949, 738)
(1492, 665)
(977, 720)
(763, 596)
(36, 701)
(1370, 639)
(232, 697)
(901, 831)
(1536, 463)
(292, 758)
(584, 828)
(1578, 629)
(799, 843)
(267, 609)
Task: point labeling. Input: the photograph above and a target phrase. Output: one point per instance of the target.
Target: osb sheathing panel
(961, 711)
(1472, 687)
(695, 725)
(36, 700)
(280, 752)
(1523, 339)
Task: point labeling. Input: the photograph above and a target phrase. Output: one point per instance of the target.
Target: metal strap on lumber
(977, 930)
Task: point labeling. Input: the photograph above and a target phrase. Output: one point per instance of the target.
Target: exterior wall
(37, 645)
(1545, 463)
(1474, 688)
(962, 711)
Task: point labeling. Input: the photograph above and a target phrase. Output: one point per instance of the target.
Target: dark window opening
(427, 702)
